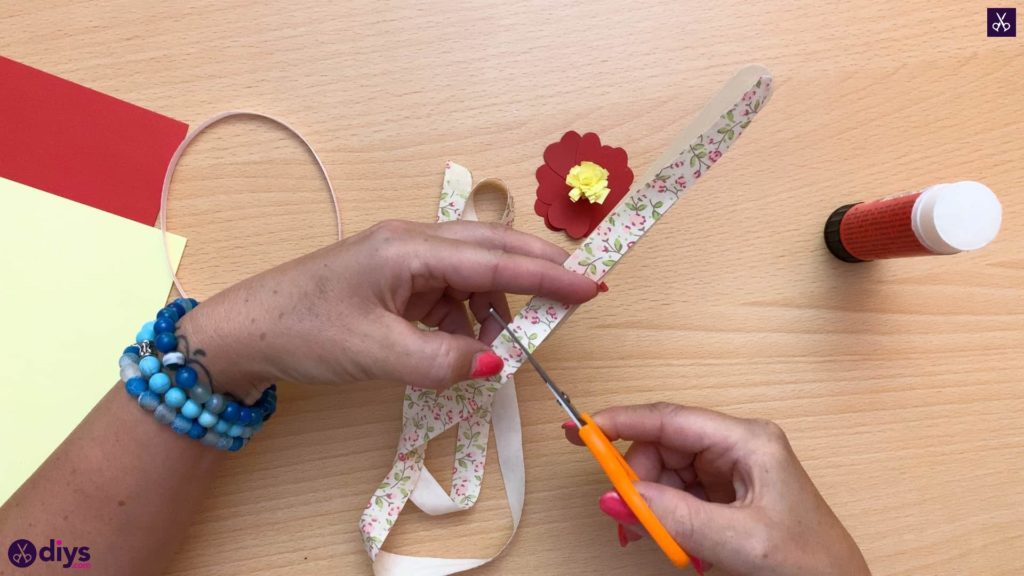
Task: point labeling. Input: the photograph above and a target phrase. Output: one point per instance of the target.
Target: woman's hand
(730, 491)
(343, 313)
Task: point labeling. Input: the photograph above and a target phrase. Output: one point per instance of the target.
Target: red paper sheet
(75, 142)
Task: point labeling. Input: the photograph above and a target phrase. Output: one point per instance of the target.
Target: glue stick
(941, 219)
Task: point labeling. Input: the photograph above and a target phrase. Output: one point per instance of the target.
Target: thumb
(437, 359)
(705, 529)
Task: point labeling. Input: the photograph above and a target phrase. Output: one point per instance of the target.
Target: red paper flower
(553, 203)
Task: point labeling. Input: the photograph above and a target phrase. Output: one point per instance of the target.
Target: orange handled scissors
(610, 459)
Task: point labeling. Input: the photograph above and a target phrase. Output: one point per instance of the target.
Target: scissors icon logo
(1001, 25)
(22, 553)
(1002, 21)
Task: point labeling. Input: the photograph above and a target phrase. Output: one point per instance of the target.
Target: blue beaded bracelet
(155, 373)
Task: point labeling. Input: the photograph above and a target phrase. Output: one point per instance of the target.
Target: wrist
(173, 377)
(224, 351)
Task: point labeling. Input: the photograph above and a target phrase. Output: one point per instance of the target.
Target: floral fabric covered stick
(427, 413)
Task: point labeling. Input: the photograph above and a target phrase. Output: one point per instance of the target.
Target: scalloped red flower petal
(559, 211)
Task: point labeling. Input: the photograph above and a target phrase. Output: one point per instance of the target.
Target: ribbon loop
(409, 479)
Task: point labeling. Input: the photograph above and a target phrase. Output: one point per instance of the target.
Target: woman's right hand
(730, 491)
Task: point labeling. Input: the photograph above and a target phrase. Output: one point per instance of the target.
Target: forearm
(127, 486)
(122, 484)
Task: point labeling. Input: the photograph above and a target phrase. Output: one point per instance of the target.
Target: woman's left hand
(343, 313)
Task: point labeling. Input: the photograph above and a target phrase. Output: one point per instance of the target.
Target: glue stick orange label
(881, 229)
(941, 219)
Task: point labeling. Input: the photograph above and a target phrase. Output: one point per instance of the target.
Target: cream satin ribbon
(457, 195)
(427, 413)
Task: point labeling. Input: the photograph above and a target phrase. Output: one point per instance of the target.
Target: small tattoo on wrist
(191, 357)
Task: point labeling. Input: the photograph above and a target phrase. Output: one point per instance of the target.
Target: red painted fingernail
(623, 539)
(568, 425)
(602, 287)
(627, 535)
(698, 565)
(486, 364)
(612, 505)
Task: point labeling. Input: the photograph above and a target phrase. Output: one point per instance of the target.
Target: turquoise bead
(216, 404)
(181, 424)
(207, 419)
(164, 414)
(149, 365)
(146, 333)
(191, 410)
(225, 442)
(175, 397)
(200, 393)
(221, 427)
(149, 400)
(130, 371)
(159, 383)
(235, 430)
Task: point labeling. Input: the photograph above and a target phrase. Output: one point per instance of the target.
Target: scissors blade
(561, 397)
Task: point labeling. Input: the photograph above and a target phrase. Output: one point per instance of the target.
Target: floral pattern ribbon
(428, 413)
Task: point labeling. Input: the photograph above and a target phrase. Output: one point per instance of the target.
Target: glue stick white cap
(952, 218)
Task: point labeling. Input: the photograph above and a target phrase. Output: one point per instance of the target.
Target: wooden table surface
(898, 382)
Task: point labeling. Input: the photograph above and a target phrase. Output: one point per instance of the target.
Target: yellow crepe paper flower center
(589, 180)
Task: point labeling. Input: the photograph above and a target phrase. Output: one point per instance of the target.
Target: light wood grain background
(899, 383)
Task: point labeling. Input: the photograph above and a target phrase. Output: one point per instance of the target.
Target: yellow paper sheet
(76, 283)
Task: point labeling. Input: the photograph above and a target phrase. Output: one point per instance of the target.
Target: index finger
(682, 428)
(500, 237)
(445, 262)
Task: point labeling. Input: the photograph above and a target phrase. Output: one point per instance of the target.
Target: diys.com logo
(23, 553)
